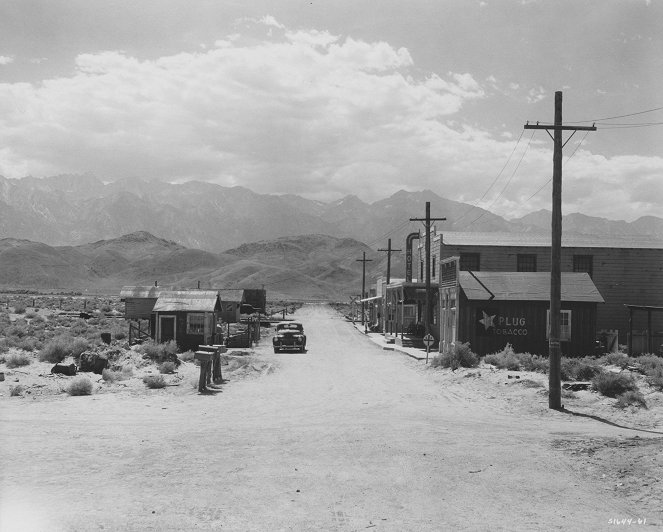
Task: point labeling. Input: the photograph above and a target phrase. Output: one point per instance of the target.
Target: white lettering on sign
(490, 322)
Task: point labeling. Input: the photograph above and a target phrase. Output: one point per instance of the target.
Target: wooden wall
(534, 323)
(622, 276)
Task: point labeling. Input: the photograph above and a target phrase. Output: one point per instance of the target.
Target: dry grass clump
(510, 360)
(631, 398)
(621, 360)
(613, 384)
(161, 352)
(167, 367)
(19, 309)
(63, 346)
(579, 369)
(80, 385)
(154, 381)
(16, 359)
(187, 356)
(460, 356)
(16, 391)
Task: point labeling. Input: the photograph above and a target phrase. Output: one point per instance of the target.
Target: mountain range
(301, 267)
(77, 232)
(71, 210)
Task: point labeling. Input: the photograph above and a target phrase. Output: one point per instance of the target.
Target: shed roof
(527, 286)
(458, 238)
(187, 300)
(230, 295)
(139, 292)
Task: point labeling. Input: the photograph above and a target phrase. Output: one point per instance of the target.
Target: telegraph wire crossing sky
(329, 99)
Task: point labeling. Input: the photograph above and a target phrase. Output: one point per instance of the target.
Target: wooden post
(554, 346)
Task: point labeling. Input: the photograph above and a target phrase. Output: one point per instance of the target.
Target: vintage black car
(289, 336)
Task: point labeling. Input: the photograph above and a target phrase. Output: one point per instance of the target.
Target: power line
(618, 116)
(493, 183)
(567, 162)
(506, 185)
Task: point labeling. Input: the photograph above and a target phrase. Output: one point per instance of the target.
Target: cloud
(300, 111)
(6, 59)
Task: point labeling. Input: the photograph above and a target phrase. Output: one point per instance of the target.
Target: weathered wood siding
(622, 276)
(137, 308)
(531, 335)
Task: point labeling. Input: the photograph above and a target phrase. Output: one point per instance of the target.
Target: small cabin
(231, 303)
(492, 309)
(187, 316)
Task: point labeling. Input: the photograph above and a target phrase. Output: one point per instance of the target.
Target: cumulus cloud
(282, 110)
(6, 59)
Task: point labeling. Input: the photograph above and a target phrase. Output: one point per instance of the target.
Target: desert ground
(348, 436)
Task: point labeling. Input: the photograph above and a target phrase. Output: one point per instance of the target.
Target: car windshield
(289, 327)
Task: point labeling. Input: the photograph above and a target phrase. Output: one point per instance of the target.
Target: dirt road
(344, 437)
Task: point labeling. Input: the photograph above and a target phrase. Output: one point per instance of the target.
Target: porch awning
(370, 299)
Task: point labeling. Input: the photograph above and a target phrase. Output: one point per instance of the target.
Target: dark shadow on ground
(607, 422)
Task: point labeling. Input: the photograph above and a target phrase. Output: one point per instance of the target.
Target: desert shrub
(161, 352)
(620, 360)
(30, 314)
(460, 356)
(613, 384)
(505, 359)
(29, 344)
(80, 385)
(56, 350)
(19, 308)
(16, 359)
(79, 346)
(127, 371)
(154, 381)
(579, 369)
(187, 356)
(15, 391)
(631, 398)
(649, 364)
(167, 367)
(120, 335)
(110, 376)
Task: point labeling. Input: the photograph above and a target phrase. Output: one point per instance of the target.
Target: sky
(327, 98)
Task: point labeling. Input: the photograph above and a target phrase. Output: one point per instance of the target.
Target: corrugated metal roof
(453, 238)
(139, 291)
(527, 286)
(186, 300)
(229, 295)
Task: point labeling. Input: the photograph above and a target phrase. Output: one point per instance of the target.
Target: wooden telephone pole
(363, 285)
(554, 347)
(428, 222)
(389, 252)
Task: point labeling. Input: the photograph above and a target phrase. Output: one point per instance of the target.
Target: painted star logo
(487, 320)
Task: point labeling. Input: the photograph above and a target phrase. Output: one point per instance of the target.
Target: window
(195, 323)
(433, 268)
(469, 262)
(564, 325)
(526, 263)
(583, 263)
(421, 270)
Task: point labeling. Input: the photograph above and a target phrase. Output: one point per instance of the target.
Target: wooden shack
(231, 302)
(138, 304)
(187, 316)
(492, 309)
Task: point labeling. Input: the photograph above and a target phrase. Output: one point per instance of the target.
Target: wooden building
(625, 270)
(138, 304)
(231, 302)
(187, 316)
(491, 309)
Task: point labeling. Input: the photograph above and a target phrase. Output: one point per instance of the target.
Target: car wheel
(276, 349)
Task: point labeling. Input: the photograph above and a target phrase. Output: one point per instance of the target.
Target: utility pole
(363, 284)
(428, 222)
(389, 252)
(554, 347)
